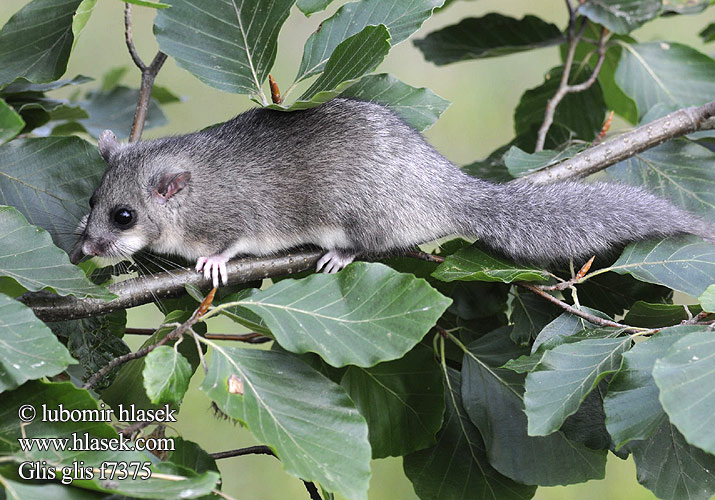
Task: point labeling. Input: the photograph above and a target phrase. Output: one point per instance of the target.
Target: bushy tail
(550, 223)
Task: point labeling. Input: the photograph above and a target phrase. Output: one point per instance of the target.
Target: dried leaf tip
(604, 130)
(206, 303)
(584, 269)
(275, 92)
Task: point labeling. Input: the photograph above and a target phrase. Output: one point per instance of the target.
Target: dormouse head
(134, 204)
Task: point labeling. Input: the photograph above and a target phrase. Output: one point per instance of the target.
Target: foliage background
(483, 94)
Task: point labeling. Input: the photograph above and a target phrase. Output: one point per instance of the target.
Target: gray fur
(351, 176)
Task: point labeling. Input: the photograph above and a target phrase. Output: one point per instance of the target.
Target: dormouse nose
(94, 246)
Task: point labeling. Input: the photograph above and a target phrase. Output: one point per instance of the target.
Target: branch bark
(591, 160)
(134, 292)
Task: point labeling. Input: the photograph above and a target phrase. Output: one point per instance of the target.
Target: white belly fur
(266, 244)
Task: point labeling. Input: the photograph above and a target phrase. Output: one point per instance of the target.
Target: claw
(334, 260)
(213, 267)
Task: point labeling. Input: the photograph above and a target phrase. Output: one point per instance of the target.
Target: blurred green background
(484, 94)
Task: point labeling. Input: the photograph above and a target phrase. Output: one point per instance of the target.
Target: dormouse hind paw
(334, 260)
(212, 267)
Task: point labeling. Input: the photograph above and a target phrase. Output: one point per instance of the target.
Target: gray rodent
(352, 178)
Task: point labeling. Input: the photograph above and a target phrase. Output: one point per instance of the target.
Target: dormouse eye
(124, 217)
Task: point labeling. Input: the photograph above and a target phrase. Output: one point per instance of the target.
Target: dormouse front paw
(212, 267)
(334, 260)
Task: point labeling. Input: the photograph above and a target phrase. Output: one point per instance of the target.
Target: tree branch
(591, 160)
(148, 75)
(134, 292)
(564, 87)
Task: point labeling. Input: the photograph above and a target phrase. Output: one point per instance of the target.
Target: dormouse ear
(108, 144)
(170, 184)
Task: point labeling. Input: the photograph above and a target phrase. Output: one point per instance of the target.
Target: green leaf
(400, 17)
(166, 375)
(612, 293)
(28, 349)
(50, 181)
(84, 11)
(128, 386)
(456, 468)
(365, 314)
(671, 468)
(647, 315)
(36, 42)
(11, 123)
(309, 7)
(686, 379)
(565, 325)
(679, 170)
(472, 264)
(22, 85)
(565, 376)
(190, 455)
(521, 163)
(526, 364)
(37, 394)
(621, 16)
(707, 299)
(420, 107)
(241, 315)
(230, 46)
(115, 110)
(25, 490)
(632, 407)
(668, 73)
(493, 399)
(685, 6)
(286, 404)
(95, 342)
(372, 44)
(402, 401)
(163, 95)
(581, 113)
(493, 35)
(686, 263)
(529, 315)
(28, 256)
(708, 34)
(491, 168)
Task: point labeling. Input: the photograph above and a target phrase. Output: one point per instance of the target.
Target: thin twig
(429, 257)
(249, 338)
(564, 87)
(578, 312)
(250, 450)
(312, 490)
(176, 333)
(148, 75)
(563, 285)
(263, 450)
(132, 429)
(129, 38)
